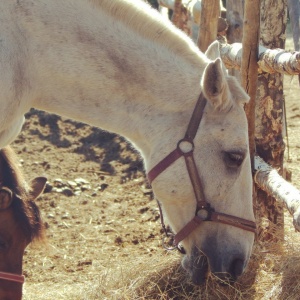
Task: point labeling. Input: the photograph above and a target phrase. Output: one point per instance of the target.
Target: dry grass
(273, 273)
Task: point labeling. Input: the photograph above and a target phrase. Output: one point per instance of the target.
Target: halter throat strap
(204, 212)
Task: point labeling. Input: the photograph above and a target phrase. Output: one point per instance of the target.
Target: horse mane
(147, 22)
(25, 210)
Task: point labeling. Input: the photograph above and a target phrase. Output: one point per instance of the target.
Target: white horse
(121, 66)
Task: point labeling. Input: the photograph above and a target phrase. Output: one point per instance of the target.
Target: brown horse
(20, 222)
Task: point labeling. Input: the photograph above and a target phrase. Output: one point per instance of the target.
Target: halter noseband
(204, 212)
(12, 277)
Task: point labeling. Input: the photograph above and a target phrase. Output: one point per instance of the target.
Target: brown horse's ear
(6, 197)
(37, 186)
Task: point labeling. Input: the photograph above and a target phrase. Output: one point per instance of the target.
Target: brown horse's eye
(234, 159)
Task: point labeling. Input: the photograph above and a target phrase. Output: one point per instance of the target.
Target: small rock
(85, 187)
(68, 192)
(65, 216)
(72, 183)
(58, 182)
(48, 188)
(81, 181)
(52, 203)
(103, 186)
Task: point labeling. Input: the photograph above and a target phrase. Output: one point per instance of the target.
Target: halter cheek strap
(204, 212)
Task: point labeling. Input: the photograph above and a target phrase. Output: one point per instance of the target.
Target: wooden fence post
(249, 71)
(235, 17)
(210, 12)
(249, 67)
(269, 116)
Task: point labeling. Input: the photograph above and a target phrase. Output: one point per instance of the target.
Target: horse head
(217, 231)
(20, 223)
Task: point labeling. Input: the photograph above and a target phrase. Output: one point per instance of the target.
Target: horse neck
(131, 86)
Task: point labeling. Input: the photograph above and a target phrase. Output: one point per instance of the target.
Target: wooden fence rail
(269, 60)
(268, 179)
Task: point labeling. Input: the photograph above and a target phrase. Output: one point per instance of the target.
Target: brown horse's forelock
(25, 210)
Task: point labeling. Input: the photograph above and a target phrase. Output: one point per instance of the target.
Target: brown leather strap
(195, 180)
(215, 217)
(196, 118)
(187, 229)
(234, 221)
(12, 277)
(163, 164)
(189, 136)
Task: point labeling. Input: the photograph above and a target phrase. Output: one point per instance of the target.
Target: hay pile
(273, 273)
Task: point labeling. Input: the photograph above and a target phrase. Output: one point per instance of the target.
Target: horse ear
(6, 197)
(214, 85)
(37, 186)
(213, 51)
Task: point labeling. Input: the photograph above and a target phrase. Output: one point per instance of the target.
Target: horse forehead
(228, 129)
(232, 121)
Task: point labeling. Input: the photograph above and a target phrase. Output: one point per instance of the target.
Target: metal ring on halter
(204, 212)
(187, 142)
(165, 244)
(168, 240)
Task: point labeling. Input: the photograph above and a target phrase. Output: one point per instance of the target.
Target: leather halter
(12, 277)
(204, 212)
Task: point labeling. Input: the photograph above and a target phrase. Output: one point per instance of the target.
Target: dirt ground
(98, 209)
(97, 204)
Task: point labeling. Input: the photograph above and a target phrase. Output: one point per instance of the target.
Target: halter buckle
(204, 212)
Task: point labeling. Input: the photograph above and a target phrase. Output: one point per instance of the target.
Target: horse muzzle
(226, 268)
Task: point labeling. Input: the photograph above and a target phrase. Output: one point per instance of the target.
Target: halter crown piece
(204, 212)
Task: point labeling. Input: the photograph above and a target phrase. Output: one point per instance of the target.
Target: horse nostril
(237, 268)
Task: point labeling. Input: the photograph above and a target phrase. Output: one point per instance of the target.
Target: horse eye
(234, 159)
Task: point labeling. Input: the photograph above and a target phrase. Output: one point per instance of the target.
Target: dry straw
(273, 273)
